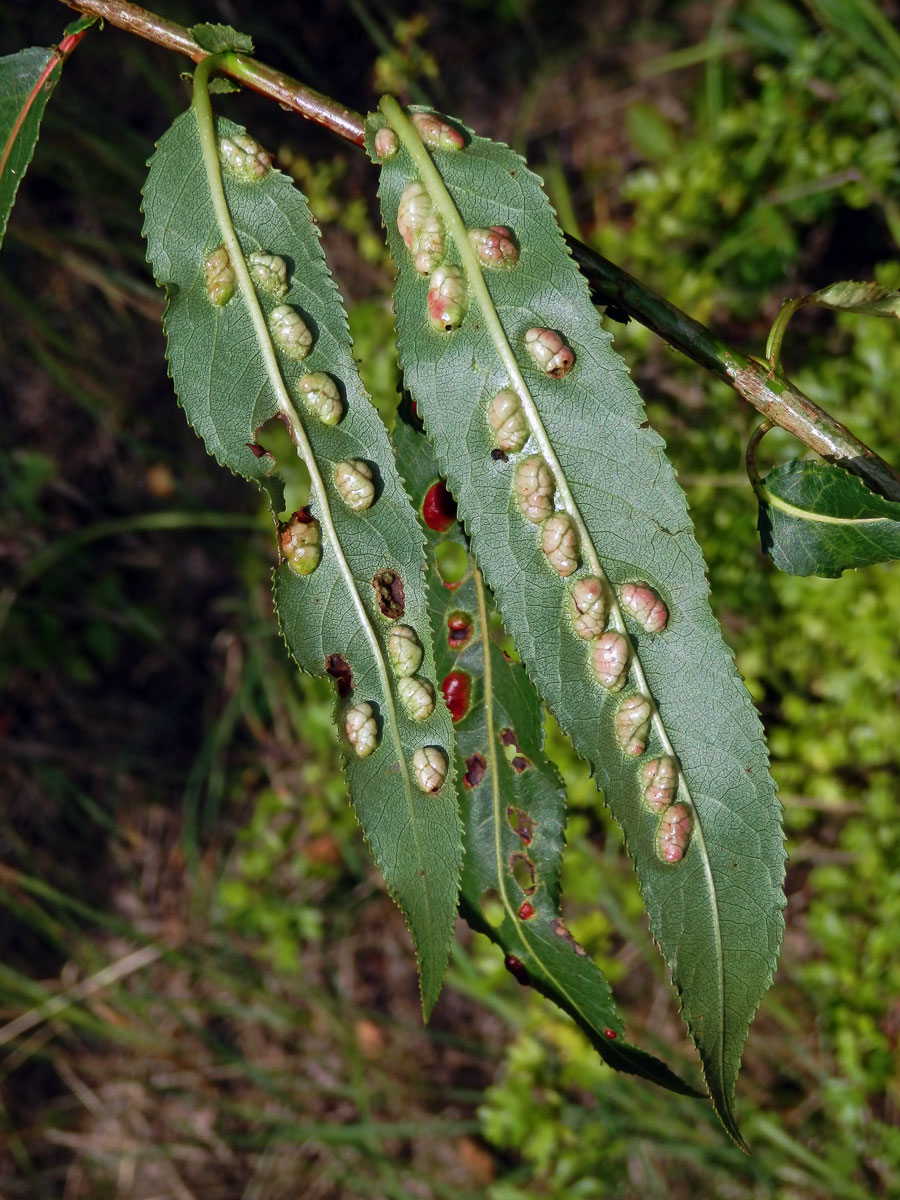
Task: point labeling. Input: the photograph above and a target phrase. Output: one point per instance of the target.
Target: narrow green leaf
(27, 80)
(818, 519)
(230, 379)
(219, 39)
(850, 296)
(716, 914)
(511, 797)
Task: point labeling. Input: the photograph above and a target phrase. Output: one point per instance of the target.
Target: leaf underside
(217, 362)
(818, 519)
(27, 80)
(716, 915)
(511, 797)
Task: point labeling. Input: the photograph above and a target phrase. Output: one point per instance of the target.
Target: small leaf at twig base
(818, 519)
(849, 296)
(217, 39)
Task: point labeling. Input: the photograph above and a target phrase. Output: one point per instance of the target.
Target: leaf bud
(361, 729)
(589, 606)
(549, 351)
(633, 724)
(446, 298)
(534, 488)
(559, 541)
(404, 650)
(354, 479)
(508, 422)
(290, 332)
(220, 282)
(430, 768)
(611, 656)
(644, 605)
(320, 394)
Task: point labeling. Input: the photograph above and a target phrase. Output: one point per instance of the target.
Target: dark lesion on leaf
(521, 824)
(517, 969)
(459, 630)
(520, 763)
(476, 769)
(559, 928)
(510, 742)
(339, 669)
(389, 593)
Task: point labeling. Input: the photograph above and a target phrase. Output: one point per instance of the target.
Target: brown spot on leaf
(560, 930)
(499, 455)
(508, 738)
(521, 763)
(459, 630)
(389, 593)
(476, 769)
(339, 670)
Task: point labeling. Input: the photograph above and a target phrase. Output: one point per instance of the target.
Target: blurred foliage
(171, 778)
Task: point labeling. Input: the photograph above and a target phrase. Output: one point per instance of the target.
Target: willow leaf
(716, 914)
(512, 800)
(230, 379)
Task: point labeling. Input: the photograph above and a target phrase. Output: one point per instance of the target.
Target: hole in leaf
(456, 688)
(389, 593)
(476, 769)
(274, 438)
(339, 669)
(452, 563)
(459, 630)
(523, 871)
(521, 824)
(491, 907)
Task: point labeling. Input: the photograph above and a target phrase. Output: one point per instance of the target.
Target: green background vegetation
(168, 778)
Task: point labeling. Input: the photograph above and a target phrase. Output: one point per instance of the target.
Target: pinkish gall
(220, 282)
(660, 782)
(559, 541)
(610, 656)
(361, 729)
(674, 833)
(459, 630)
(534, 488)
(549, 351)
(355, 481)
(633, 725)
(386, 143)
(290, 332)
(268, 272)
(508, 422)
(526, 911)
(446, 298)
(301, 542)
(421, 228)
(643, 604)
(430, 768)
(435, 133)
(456, 688)
(495, 247)
(589, 606)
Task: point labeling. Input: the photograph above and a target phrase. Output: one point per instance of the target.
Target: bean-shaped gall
(243, 157)
(290, 332)
(549, 351)
(674, 833)
(559, 541)
(220, 281)
(404, 650)
(421, 228)
(320, 394)
(508, 422)
(417, 696)
(301, 542)
(386, 143)
(268, 272)
(534, 488)
(446, 298)
(495, 247)
(589, 606)
(611, 657)
(633, 725)
(430, 768)
(355, 482)
(659, 780)
(435, 133)
(439, 507)
(644, 605)
(361, 729)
